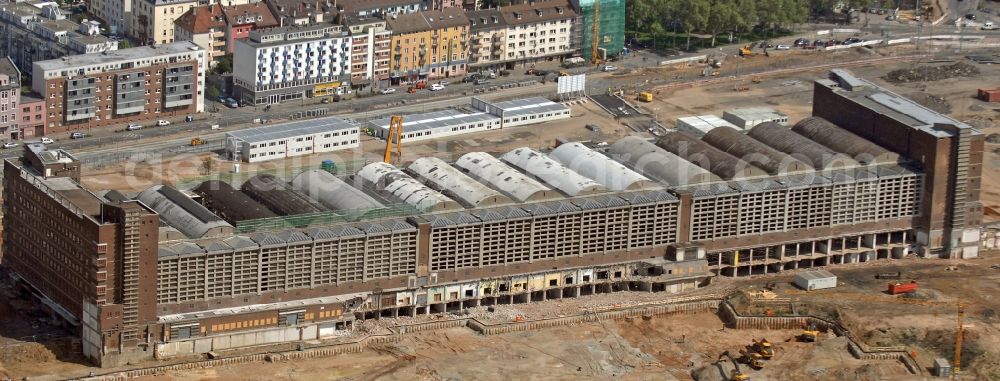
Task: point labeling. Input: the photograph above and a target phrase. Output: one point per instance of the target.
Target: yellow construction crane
(595, 54)
(395, 132)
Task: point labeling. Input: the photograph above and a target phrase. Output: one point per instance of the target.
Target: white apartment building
(153, 20)
(116, 13)
(537, 31)
(371, 40)
(280, 64)
(292, 139)
(487, 38)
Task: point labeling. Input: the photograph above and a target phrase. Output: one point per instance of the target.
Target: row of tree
(721, 16)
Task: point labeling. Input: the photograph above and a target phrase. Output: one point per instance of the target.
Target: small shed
(942, 368)
(815, 280)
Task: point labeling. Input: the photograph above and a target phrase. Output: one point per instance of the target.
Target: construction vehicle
(737, 374)
(809, 334)
(395, 136)
(764, 348)
(753, 360)
(197, 142)
(746, 52)
(645, 96)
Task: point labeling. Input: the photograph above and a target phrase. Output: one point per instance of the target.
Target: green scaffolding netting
(611, 27)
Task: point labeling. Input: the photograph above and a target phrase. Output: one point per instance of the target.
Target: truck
(989, 25)
(902, 288)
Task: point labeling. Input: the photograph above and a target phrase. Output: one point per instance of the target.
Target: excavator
(764, 348)
(809, 334)
(737, 374)
(753, 360)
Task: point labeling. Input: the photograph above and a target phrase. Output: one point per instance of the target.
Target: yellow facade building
(429, 45)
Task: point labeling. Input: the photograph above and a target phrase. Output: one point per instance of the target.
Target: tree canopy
(722, 16)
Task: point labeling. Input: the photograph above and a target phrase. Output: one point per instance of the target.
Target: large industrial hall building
(173, 272)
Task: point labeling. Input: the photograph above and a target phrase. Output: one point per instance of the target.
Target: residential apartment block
(31, 116)
(487, 40)
(10, 94)
(370, 53)
(243, 18)
(215, 27)
(123, 86)
(117, 14)
(153, 20)
(205, 26)
(429, 44)
(538, 30)
(38, 32)
(380, 8)
(294, 62)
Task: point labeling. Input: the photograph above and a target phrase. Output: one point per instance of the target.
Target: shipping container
(902, 288)
(989, 95)
(815, 280)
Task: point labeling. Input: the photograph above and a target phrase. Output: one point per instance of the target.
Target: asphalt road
(154, 139)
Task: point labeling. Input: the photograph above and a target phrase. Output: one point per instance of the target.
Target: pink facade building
(31, 116)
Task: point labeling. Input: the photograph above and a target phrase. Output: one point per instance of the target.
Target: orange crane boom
(395, 132)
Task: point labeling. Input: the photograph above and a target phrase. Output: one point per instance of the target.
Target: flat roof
(47, 156)
(70, 62)
(885, 102)
(706, 121)
(435, 119)
(529, 106)
(291, 130)
(72, 192)
(752, 113)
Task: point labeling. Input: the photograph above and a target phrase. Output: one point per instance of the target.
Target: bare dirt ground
(664, 348)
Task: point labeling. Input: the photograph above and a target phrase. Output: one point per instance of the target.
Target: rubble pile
(931, 73)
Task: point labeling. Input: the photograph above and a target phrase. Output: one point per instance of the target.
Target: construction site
(616, 253)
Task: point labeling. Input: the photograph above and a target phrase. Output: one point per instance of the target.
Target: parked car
(47, 141)
(389, 91)
(783, 47)
(970, 16)
(77, 135)
(802, 42)
(833, 42)
(162, 122)
(133, 127)
(819, 43)
(437, 86)
(232, 103)
(481, 81)
(609, 68)
(852, 40)
(9, 145)
(189, 119)
(444, 83)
